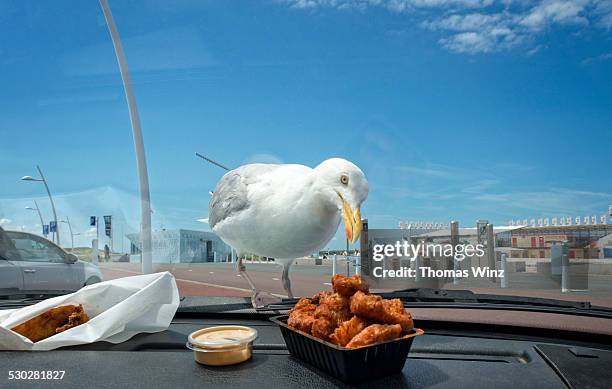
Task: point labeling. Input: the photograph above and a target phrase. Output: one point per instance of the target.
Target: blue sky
(454, 109)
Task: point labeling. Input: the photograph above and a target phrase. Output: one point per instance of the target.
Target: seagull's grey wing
(231, 194)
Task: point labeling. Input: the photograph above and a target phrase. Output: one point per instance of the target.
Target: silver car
(30, 264)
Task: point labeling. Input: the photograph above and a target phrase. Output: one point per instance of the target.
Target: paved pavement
(221, 279)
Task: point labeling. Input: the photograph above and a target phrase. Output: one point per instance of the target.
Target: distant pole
(44, 181)
(94, 250)
(491, 250)
(564, 273)
(454, 230)
(504, 267)
(334, 261)
(141, 161)
(57, 233)
(42, 223)
(71, 234)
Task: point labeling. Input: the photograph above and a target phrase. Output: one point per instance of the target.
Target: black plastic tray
(347, 364)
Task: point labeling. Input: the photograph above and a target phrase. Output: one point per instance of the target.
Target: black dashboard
(442, 358)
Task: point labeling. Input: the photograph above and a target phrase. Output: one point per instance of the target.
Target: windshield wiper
(444, 298)
(468, 299)
(16, 300)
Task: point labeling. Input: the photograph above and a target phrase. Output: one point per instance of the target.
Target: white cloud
(534, 50)
(392, 5)
(424, 171)
(465, 22)
(558, 200)
(263, 158)
(601, 57)
(5, 222)
(484, 26)
(90, 233)
(603, 9)
(555, 11)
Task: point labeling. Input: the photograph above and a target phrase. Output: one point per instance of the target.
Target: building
(584, 241)
(467, 235)
(182, 246)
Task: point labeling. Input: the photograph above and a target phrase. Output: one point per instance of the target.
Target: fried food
(301, 317)
(317, 297)
(335, 301)
(380, 310)
(347, 330)
(348, 286)
(375, 333)
(51, 322)
(333, 309)
(349, 316)
(77, 318)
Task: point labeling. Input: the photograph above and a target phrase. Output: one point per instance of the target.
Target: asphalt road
(221, 279)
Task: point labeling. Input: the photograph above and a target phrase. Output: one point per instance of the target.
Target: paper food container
(118, 309)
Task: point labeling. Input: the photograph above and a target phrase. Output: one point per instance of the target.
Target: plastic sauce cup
(222, 345)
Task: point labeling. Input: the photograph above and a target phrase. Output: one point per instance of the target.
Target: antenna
(211, 161)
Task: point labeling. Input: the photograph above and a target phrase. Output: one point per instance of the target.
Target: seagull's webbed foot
(260, 299)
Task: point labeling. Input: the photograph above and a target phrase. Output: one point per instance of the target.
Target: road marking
(200, 283)
(327, 283)
(275, 279)
(189, 270)
(211, 272)
(238, 275)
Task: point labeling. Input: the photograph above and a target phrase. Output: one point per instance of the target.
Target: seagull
(286, 211)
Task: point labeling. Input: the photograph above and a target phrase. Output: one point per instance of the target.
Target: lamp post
(67, 221)
(141, 161)
(42, 223)
(44, 181)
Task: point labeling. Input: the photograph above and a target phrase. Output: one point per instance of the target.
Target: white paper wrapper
(118, 309)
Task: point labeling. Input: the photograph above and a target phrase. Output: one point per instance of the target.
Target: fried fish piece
(333, 309)
(320, 295)
(335, 301)
(375, 333)
(76, 318)
(379, 310)
(348, 286)
(301, 316)
(46, 324)
(347, 330)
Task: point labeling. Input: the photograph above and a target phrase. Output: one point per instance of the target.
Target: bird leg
(259, 298)
(286, 280)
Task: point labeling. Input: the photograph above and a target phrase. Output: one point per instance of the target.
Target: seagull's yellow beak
(352, 221)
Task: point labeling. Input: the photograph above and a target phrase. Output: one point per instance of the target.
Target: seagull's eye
(344, 179)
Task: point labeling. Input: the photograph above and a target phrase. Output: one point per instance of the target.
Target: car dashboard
(446, 356)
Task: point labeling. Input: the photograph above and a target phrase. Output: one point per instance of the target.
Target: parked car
(31, 264)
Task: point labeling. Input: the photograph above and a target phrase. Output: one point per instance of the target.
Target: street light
(44, 181)
(141, 161)
(67, 221)
(42, 223)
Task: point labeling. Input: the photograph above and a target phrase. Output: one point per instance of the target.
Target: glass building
(182, 246)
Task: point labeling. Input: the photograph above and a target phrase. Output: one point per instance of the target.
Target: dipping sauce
(222, 345)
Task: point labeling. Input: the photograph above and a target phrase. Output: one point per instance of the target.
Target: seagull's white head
(344, 185)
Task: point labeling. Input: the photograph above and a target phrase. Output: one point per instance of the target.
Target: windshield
(264, 146)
